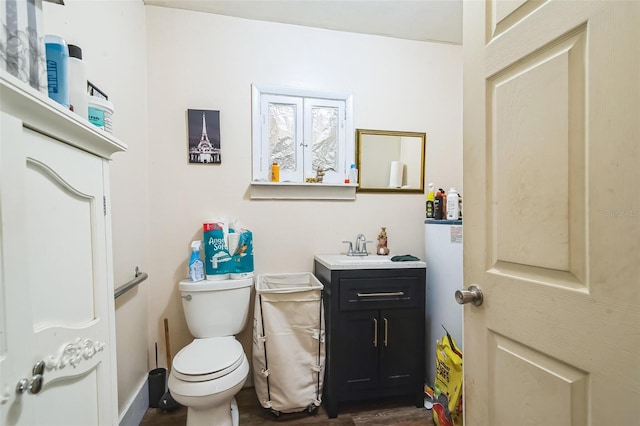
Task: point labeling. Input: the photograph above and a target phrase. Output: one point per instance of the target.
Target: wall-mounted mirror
(390, 161)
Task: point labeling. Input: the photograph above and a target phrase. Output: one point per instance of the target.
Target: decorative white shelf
(38, 112)
(302, 191)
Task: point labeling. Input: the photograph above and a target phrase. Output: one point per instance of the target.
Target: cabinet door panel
(401, 347)
(358, 356)
(56, 293)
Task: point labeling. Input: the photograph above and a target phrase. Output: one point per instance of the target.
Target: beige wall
(204, 61)
(194, 60)
(112, 37)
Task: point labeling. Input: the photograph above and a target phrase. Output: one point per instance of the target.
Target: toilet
(208, 373)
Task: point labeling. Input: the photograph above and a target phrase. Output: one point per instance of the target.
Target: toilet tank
(216, 308)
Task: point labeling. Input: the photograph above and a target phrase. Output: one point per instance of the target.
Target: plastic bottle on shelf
(275, 172)
(444, 203)
(196, 265)
(353, 174)
(57, 54)
(452, 204)
(77, 82)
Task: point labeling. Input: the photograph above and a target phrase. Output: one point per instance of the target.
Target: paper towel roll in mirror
(395, 174)
(375, 154)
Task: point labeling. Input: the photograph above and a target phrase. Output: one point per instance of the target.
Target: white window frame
(305, 100)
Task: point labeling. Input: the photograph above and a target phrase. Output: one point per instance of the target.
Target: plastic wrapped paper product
(22, 46)
(241, 250)
(447, 408)
(217, 258)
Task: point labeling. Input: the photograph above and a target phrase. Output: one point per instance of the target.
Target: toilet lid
(208, 359)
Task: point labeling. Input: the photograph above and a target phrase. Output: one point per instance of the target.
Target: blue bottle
(57, 69)
(196, 266)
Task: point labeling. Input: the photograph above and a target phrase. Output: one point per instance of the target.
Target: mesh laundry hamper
(288, 342)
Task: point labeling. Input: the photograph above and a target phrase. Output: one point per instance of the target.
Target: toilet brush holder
(167, 403)
(157, 386)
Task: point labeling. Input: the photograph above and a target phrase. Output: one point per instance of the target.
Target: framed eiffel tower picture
(204, 136)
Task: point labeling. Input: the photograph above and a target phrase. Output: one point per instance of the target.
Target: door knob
(473, 295)
(35, 384)
(38, 368)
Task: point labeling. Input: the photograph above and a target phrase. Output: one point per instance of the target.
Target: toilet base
(211, 403)
(224, 414)
(235, 413)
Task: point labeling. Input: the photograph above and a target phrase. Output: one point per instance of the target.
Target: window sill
(302, 191)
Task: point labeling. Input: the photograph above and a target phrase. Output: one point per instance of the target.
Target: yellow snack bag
(448, 380)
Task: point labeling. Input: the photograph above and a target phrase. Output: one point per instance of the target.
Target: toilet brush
(166, 343)
(167, 402)
(157, 383)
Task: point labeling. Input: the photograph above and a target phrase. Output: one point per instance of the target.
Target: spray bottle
(431, 197)
(196, 266)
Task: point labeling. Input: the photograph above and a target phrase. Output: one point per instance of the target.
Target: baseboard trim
(132, 416)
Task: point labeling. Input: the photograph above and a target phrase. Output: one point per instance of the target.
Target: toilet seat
(208, 359)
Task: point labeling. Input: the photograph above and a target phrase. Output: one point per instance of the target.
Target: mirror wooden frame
(380, 153)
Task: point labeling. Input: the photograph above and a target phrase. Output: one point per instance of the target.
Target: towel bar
(140, 276)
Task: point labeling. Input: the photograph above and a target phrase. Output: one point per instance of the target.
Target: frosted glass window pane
(324, 138)
(282, 135)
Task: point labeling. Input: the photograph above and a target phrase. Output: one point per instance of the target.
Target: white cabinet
(56, 285)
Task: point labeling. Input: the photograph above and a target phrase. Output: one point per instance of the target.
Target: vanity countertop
(344, 262)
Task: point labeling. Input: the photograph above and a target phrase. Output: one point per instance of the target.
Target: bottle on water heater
(437, 206)
(452, 204)
(431, 198)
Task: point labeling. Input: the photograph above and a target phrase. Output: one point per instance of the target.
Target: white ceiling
(422, 20)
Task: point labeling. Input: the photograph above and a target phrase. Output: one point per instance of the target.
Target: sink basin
(363, 259)
(342, 261)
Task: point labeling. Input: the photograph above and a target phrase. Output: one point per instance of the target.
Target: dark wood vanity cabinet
(375, 334)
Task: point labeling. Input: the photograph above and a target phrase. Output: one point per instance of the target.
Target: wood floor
(378, 413)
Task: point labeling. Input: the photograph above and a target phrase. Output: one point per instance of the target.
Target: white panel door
(55, 299)
(552, 212)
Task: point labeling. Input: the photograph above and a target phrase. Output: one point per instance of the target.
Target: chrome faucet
(361, 246)
(361, 242)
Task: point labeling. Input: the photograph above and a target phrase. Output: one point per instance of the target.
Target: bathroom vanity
(375, 328)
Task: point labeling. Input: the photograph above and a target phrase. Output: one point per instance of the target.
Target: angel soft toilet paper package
(217, 258)
(241, 250)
